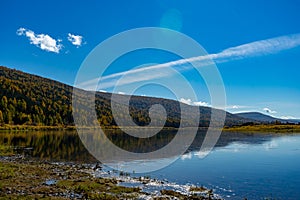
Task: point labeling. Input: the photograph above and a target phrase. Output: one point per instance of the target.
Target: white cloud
(186, 101)
(236, 108)
(234, 147)
(186, 156)
(268, 110)
(201, 103)
(257, 48)
(287, 117)
(21, 31)
(202, 153)
(196, 103)
(75, 39)
(244, 111)
(43, 41)
(121, 93)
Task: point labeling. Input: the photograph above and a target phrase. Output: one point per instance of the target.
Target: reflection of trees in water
(67, 146)
(227, 138)
(49, 145)
(141, 145)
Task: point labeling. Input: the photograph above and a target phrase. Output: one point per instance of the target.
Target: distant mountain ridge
(33, 100)
(265, 118)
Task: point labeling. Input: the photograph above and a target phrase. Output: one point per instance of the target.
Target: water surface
(255, 166)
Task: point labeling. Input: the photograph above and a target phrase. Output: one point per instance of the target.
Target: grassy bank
(7, 127)
(280, 128)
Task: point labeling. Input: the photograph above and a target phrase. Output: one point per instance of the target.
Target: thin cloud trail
(253, 49)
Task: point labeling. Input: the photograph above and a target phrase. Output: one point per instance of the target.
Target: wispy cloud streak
(253, 49)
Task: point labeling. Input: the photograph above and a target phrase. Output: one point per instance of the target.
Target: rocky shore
(25, 178)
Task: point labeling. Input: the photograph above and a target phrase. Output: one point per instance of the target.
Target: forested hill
(33, 100)
(27, 99)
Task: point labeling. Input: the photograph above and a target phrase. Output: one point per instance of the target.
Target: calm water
(243, 169)
(241, 165)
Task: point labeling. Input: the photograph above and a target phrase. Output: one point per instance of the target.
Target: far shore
(7, 127)
(72, 128)
(265, 128)
(257, 128)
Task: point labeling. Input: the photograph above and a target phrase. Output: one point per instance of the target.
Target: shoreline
(73, 128)
(35, 128)
(261, 128)
(24, 177)
(270, 128)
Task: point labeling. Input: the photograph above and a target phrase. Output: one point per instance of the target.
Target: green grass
(30, 179)
(7, 127)
(6, 150)
(272, 128)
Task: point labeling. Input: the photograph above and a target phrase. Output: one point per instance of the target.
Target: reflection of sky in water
(140, 165)
(243, 169)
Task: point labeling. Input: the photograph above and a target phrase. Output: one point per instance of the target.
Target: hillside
(257, 116)
(27, 99)
(265, 118)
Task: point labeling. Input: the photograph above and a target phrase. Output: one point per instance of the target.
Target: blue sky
(267, 82)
